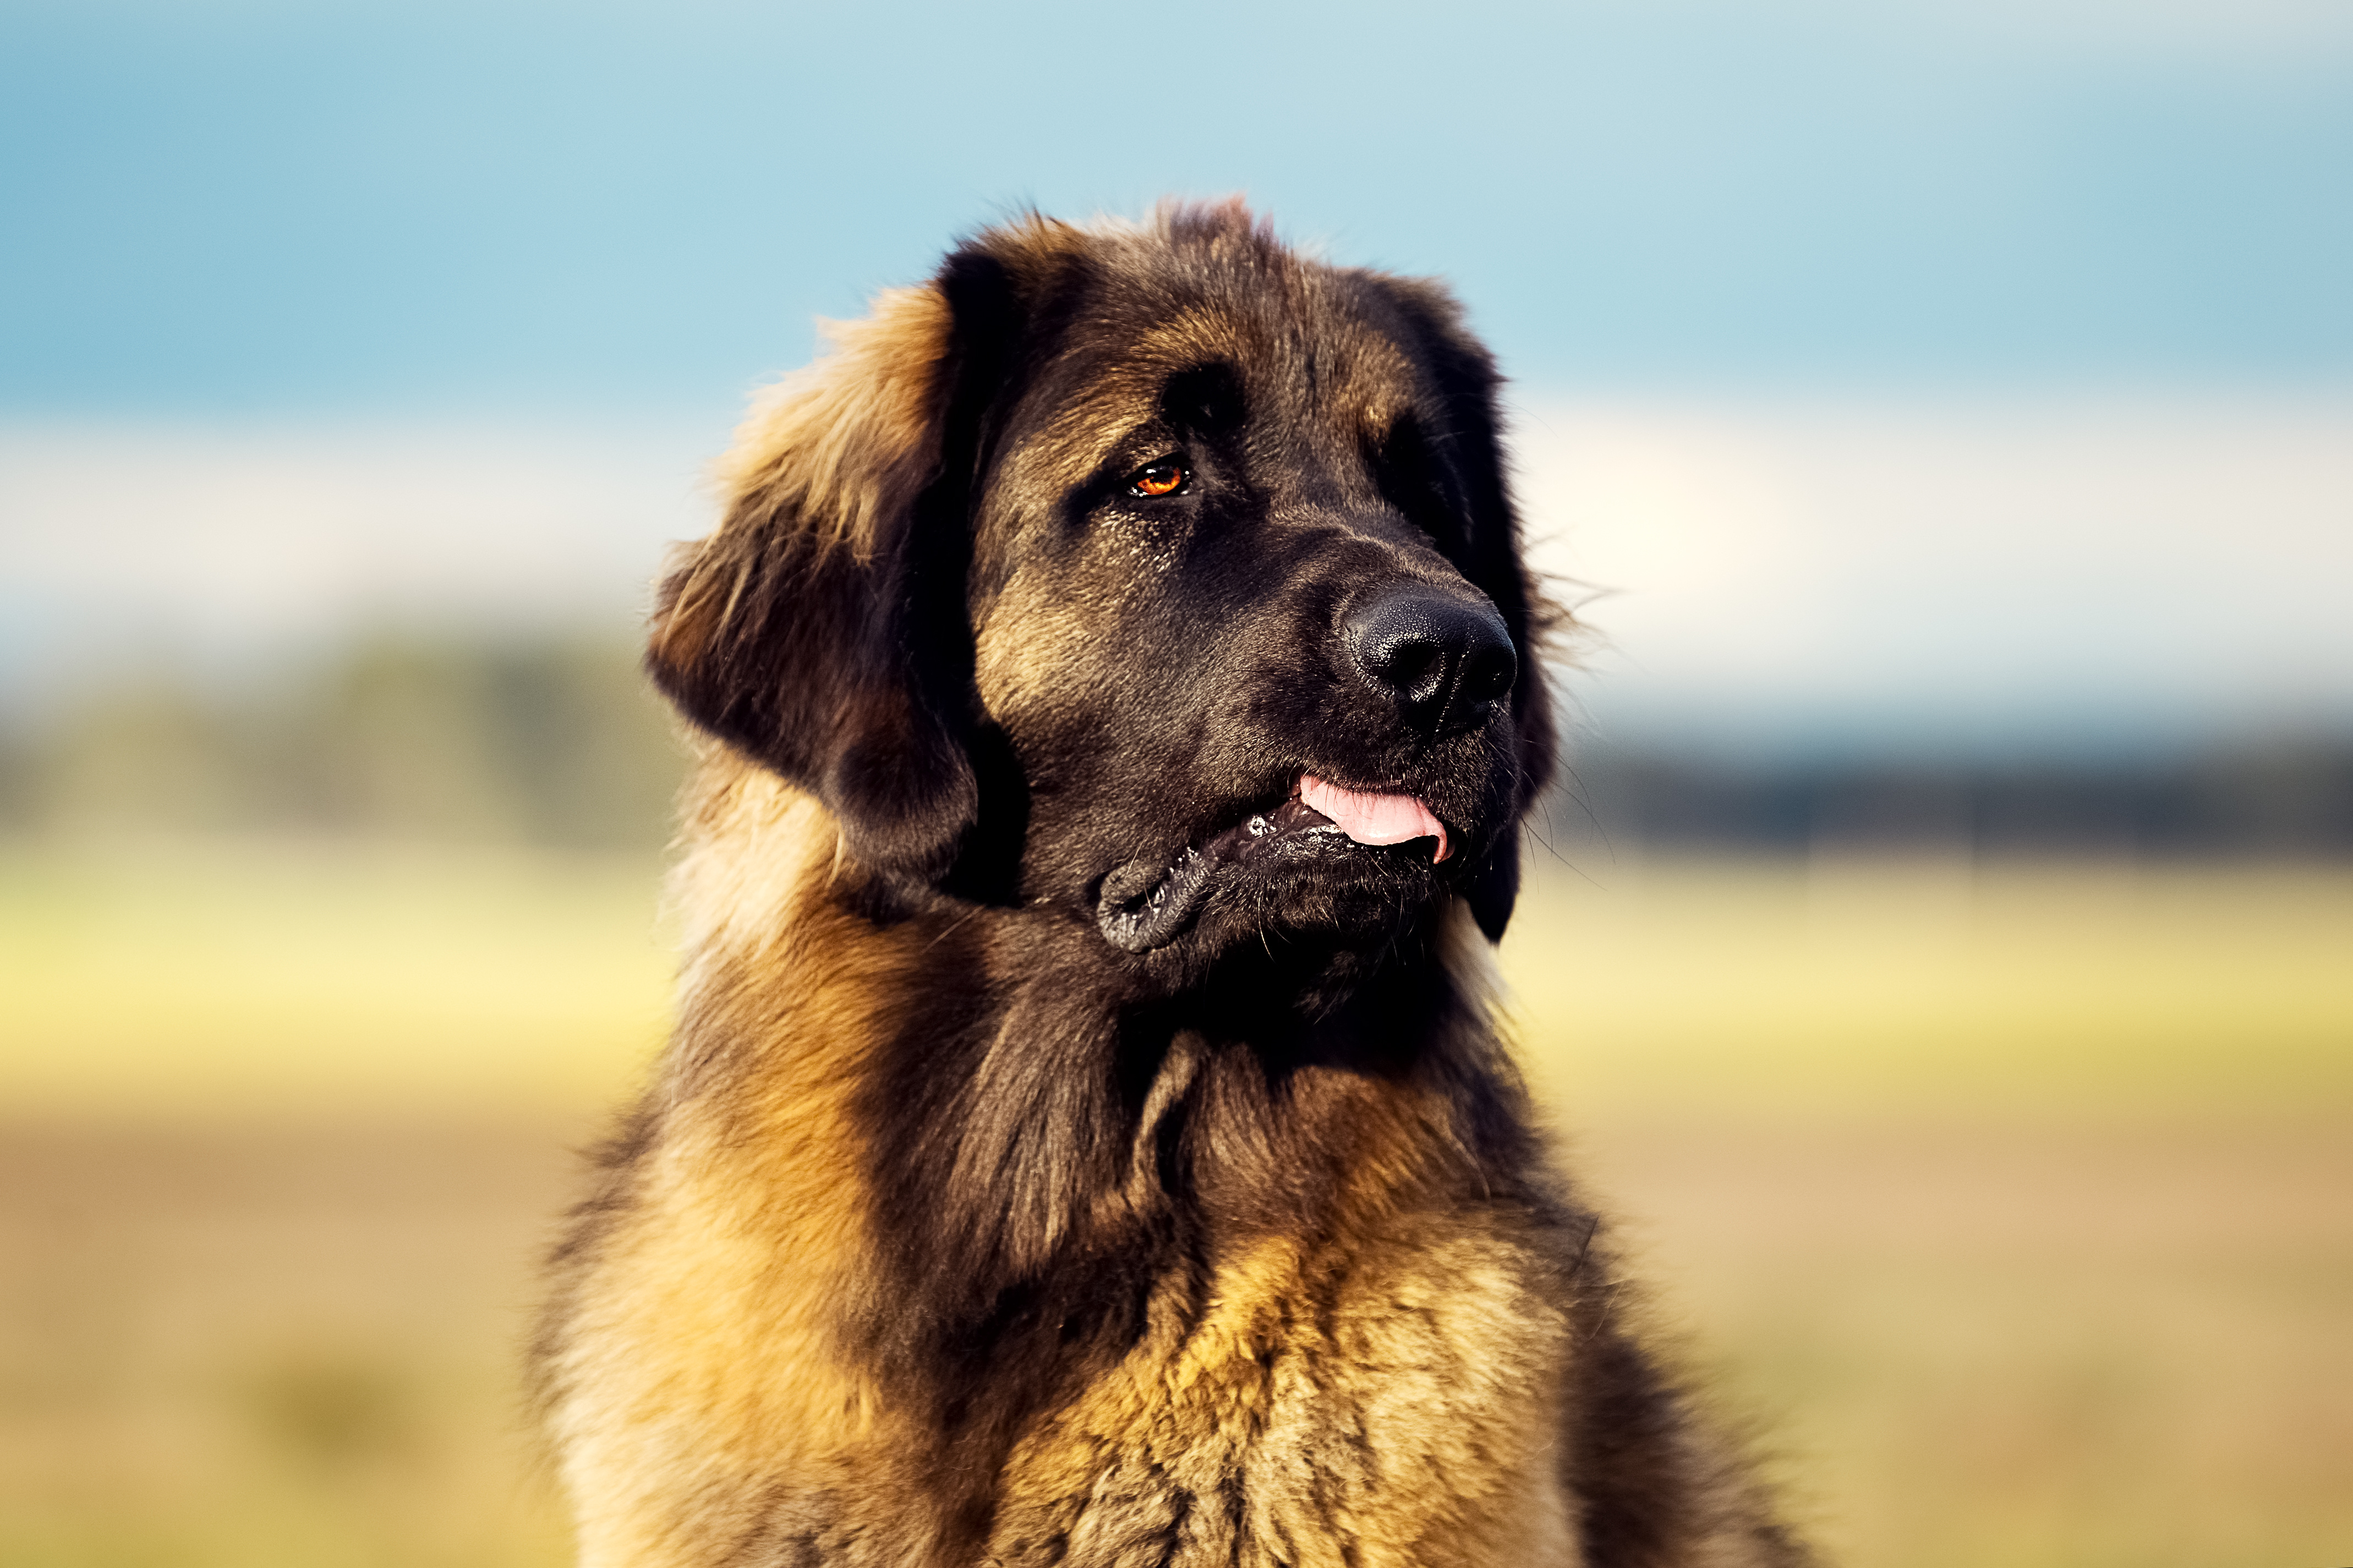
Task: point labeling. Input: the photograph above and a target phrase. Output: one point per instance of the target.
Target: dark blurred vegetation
(559, 742)
(556, 741)
(2289, 798)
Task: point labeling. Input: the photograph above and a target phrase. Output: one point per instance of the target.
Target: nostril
(1489, 674)
(1413, 668)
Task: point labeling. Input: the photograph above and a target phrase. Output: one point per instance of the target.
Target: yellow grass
(160, 977)
(1878, 987)
(2016, 1201)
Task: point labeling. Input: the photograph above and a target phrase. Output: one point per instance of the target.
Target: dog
(1085, 1139)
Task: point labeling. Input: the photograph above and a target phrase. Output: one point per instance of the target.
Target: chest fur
(1393, 1402)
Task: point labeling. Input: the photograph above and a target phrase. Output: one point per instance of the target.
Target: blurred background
(1941, 954)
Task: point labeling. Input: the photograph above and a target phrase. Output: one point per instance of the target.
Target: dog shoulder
(691, 1356)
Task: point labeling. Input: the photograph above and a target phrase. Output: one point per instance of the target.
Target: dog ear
(820, 629)
(1467, 439)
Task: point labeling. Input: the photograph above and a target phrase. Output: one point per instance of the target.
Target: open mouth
(1143, 904)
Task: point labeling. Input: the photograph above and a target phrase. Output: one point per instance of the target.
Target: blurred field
(1938, 988)
(164, 977)
(2015, 1201)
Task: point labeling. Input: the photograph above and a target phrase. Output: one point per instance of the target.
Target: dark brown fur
(954, 1232)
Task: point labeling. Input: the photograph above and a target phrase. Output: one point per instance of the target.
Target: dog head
(1154, 574)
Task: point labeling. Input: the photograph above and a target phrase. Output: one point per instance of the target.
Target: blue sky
(249, 206)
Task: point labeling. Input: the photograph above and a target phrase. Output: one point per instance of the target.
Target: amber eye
(1161, 479)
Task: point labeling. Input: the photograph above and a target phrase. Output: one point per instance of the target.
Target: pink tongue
(1373, 818)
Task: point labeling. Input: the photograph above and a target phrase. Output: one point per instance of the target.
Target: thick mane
(1022, 1166)
(1054, 1125)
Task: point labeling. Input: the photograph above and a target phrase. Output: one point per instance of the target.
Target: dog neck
(1037, 1140)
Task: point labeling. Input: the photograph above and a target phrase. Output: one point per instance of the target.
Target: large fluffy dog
(1085, 1139)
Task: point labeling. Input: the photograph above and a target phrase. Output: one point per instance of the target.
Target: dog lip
(1145, 903)
(1169, 897)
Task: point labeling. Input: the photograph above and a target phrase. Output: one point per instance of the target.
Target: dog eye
(1165, 478)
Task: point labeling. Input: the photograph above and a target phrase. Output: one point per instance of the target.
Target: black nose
(1443, 658)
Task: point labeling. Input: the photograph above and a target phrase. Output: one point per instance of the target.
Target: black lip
(1144, 904)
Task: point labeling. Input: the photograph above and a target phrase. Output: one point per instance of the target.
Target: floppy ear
(1469, 441)
(817, 629)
